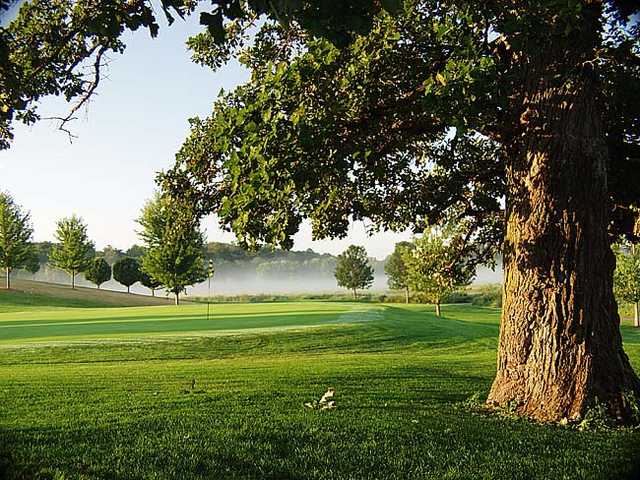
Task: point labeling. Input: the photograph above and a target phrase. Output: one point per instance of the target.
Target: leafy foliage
(58, 48)
(127, 271)
(353, 270)
(395, 267)
(436, 266)
(149, 282)
(626, 278)
(112, 254)
(174, 245)
(405, 127)
(16, 248)
(73, 252)
(99, 272)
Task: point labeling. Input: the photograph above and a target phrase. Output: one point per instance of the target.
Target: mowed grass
(124, 408)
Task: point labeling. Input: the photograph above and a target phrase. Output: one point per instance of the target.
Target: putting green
(91, 324)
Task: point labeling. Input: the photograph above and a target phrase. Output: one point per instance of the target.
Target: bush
(488, 296)
(458, 297)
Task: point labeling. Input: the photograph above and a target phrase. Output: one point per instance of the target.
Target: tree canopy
(99, 272)
(149, 282)
(73, 252)
(353, 270)
(16, 247)
(436, 266)
(127, 271)
(396, 269)
(174, 245)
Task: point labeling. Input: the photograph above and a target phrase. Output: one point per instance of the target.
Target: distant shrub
(488, 296)
(391, 297)
(458, 297)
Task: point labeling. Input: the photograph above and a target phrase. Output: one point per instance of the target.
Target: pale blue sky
(130, 131)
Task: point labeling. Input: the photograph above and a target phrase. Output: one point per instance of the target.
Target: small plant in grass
(473, 403)
(596, 418)
(326, 402)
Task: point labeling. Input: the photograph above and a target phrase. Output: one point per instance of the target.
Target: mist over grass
(233, 280)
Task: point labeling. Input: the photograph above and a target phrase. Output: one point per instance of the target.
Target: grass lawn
(123, 408)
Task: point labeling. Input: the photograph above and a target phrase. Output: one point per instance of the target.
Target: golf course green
(163, 392)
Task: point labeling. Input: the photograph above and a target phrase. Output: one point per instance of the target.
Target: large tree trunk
(636, 315)
(438, 312)
(406, 295)
(8, 271)
(177, 298)
(560, 346)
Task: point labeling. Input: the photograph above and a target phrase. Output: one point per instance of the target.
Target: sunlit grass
(125, 408)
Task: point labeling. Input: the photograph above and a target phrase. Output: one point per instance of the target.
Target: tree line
(171, 258)
(433, 266)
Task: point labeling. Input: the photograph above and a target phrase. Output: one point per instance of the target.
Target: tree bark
(177, 298)
(406, 295)
(438, 312)
(153, 292)
(128, 288)
(73, 279)
(560, 348)
(8, 278)
(636, 315)
(355, 294)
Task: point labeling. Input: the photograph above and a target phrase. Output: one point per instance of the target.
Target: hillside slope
(27, 293)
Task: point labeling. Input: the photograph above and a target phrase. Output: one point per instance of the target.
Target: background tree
(127, 272)
(99, 272)
(436, 266)
(396, 269)
(74, 252)
(174, 245)
(135, 251)
(32, 265)
(16, 248)
(353, 270)
(627, 278)
(149, 282)
(112, 254)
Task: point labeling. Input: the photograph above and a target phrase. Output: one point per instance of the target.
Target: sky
(130, 131)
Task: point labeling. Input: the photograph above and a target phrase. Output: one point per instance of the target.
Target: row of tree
(172, 257)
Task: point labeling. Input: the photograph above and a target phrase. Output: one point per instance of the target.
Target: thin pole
(208, 298)
(210, 271)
